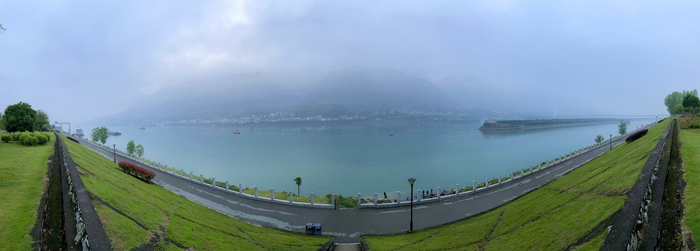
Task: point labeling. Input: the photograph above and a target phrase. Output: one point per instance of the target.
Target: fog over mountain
(354, 91)
(515, 58)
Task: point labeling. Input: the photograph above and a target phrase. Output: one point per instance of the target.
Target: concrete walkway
(347, 225)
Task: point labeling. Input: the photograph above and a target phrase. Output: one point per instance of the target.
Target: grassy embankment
(690, 152)
(552, 217)
(279, 195)
(136, 214)
(22, 173)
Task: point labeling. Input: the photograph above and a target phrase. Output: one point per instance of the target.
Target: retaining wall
(89, 231)
(635, 225)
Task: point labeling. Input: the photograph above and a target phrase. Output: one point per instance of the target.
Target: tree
(19, 117)
(679, 109)
(690, 102)
(599, 139)
(130, 147)
(298, 181)
(622, 127)
(139, 150)
(676, 98)
(42, 121)
(672, 100)
(2, 126)
(100, 134)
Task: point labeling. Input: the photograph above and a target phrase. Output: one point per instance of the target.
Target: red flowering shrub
(636, 135)
(137, 171)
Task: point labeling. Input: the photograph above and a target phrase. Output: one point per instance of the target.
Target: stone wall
(635, 225)
(89, 232)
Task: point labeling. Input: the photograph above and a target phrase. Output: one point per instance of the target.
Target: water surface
(359, 157)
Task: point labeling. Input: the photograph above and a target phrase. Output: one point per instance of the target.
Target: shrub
(15, 136)
(137, 171)
(29, 140)
(636, 135)
(21, 137)
(41, 138)
(6, 138)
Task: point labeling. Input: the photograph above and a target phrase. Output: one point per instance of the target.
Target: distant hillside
(357, 90)
(351, 92)
(230, 96)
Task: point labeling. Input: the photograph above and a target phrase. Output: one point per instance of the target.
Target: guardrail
(227, 187)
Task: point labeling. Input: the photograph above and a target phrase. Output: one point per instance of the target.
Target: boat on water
(142, 128)
(114, 133)
(236, 132)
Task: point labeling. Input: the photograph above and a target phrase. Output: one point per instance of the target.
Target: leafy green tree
(599, 139)
(2, 126)
(679, 109)
(690, 101)
(298, 181)
(672, 100)
(139, 150)
(42, 120)
(19, 117)
(130, 147)
(676, 98)
(622, 127)
(100, 134)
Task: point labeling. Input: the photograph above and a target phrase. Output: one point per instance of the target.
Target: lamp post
(411, 181)
(610, 141)
(115, 152)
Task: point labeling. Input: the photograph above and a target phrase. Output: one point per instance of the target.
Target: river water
(357, 157)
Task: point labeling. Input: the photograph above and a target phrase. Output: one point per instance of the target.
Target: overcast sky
(84, 59)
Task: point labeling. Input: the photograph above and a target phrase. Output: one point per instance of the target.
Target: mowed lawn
(22, 173)
(553, 217)
(690, 152)
(136, 214)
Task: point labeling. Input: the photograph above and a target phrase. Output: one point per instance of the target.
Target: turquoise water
(351, 158)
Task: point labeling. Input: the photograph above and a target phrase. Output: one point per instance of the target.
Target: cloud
(112, 53)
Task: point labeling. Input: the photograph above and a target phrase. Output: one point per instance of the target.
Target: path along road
(348, 224)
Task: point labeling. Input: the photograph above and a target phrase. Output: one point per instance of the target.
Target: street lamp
(115, 152)
(611, 141)
(411, 181)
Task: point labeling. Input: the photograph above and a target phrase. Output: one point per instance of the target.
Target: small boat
(142, 128)
(236, 132)
(391, 134)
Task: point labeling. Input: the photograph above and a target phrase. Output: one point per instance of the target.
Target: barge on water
(507, 125)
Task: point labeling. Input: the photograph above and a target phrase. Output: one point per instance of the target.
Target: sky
(79, 60)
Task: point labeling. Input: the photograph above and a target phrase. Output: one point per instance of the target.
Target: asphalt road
(348, 224)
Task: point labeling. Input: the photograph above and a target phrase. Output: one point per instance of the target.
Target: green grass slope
(135, 214)
(552, 217)
(22, 173)
(690, 152)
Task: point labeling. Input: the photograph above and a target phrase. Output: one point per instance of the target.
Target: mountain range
(350, 92)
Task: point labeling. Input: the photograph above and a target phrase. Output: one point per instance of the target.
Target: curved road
(348, 224)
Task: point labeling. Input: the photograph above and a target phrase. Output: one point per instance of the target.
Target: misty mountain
(228, 96)
(352, 92)
(360, 91)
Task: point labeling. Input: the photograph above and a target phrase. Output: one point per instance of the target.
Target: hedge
(137, 171)
(636, 135)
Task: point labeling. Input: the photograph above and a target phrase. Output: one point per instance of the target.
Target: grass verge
(690, 152)
(553, 217)
(22, 173)
(137, 214)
